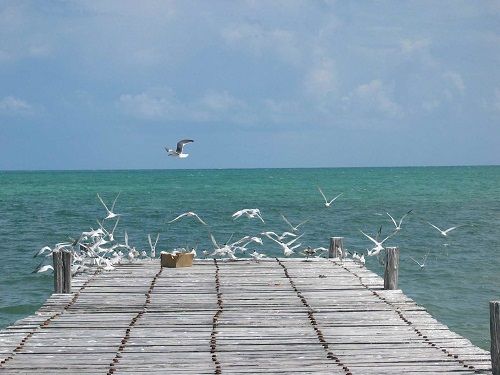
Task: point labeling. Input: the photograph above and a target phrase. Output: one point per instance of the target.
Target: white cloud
(321, 79)
(455, 80)
(410, 46)
(162, 104)
(14, 106)
(154, 104)
(373, 97)
(260, 41)
(496, 100)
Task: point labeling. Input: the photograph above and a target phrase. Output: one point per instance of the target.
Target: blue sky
(107, 84)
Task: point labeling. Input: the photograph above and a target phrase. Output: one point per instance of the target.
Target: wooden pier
(279, 316)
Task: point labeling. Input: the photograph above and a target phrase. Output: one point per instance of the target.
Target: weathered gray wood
(336, 247)
(58, 271)
(391, 273)
(273, 318)
(67, 258)
(495, 336)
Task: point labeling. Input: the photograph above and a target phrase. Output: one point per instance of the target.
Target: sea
(461, 273)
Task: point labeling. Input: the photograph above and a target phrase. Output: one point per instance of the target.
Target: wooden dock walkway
(283, 316)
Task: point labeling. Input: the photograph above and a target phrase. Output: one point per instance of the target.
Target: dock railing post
(336, 249)
(58, 271)
(391, 268)
(495, 336)
(66, 267)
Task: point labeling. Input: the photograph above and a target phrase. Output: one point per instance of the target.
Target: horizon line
(243, 168)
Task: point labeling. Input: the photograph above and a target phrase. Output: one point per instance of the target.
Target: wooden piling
(58, 271)
(66, 268)
(336, 244)
(495, 336)
(391, 268)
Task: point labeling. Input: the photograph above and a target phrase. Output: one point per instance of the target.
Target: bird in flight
(378, 244)
(295, 228)
(398, 226)
(110, 212)
(248, 212)
(178, 152)
(443, 232)
(189, 214)
(327, 202)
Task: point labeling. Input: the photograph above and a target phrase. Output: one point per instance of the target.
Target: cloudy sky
(107, 84)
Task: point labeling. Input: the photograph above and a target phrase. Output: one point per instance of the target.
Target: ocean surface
(462, 272)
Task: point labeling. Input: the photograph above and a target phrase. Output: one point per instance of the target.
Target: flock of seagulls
(99, 247)
(96, 247)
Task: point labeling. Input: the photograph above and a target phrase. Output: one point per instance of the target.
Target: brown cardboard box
(177, 260)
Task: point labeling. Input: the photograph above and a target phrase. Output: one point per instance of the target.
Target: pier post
(336, 244)
(66, 267)
(495, 336)
(391, 268)
(58, 271)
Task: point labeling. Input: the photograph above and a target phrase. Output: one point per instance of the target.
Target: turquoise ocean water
(43, 208)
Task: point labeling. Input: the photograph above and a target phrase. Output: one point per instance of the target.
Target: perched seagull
(188, 214)
(378, 245)
(111, 214)
(178, 152)
(296, 227)
(251, 213)
(444, 232)
(153, 247)
(327, 202)
(398, 226)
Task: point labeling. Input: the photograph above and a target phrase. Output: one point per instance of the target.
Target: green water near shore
(42, 208)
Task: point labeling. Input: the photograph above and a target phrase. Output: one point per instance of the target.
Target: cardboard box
(177, 260)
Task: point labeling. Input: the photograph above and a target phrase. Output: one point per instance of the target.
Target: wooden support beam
(58, 271)
(336, 247)
(67, 258)
(391, 268)
(495, 336)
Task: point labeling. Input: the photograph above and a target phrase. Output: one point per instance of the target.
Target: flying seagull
(189, 214)
(378, 244)
(327, 202)
(398, 226)
(444, 232)
(178, 152)
(295, 228)
(110, 212)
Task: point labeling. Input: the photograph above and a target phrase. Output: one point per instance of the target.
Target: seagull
(56, 248)
(153, 247)
(328, 203)
(278, 237)
(257, 256)
(398, 226)
(111, 214)
(444, 232)
(287, 250)
(44, 268)
(296, 227)
(188, 214)
(422, 265)
(378, 245)
(251, 213)
(178, 152)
